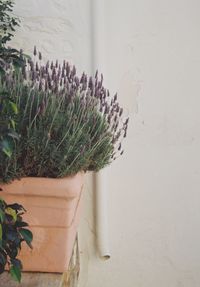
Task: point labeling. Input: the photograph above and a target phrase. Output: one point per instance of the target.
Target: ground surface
(33, 280)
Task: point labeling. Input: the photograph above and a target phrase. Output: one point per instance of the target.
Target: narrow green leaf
(2, 215)
(12, 123)
(14, 107)
(15, 273)
(6, 147)
(1, 232)
(7, 151)
(13, 134)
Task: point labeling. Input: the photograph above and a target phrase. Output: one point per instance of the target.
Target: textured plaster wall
(59, 28)
(152, 59)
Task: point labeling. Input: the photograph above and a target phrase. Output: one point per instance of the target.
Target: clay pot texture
(53, 213)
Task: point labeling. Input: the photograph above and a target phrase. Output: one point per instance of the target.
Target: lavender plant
(64, 124)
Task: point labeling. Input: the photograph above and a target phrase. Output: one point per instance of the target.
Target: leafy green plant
(13, 231)
(65, 124)
(8, 24)
(7, 125)
(8, 21)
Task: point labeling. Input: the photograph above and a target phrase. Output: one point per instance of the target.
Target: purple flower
(34, 51)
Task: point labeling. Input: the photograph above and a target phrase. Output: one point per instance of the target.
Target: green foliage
(12, 234)
(15, 272)
(7, 124)
(8, 24)
(63, 124)
(7, 21)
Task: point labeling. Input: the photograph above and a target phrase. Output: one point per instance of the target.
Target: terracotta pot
(53, 211)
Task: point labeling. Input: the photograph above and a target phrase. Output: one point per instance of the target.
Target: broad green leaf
(27, 236)
(11, 212)
(15, 273)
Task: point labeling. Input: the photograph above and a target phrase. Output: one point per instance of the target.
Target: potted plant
(54, 127)
(66, 126)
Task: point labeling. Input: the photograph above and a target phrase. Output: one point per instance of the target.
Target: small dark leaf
(21, 224)
(16, 262)
(12, 235)
(27, 236)
(2, 258)
(12, 251)
(8, 219)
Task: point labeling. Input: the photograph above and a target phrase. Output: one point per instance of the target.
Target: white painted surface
(101, 214)
(152, 58)
(59, 28)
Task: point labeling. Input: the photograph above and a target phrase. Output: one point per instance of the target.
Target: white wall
(152, 58)
(59, 28)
